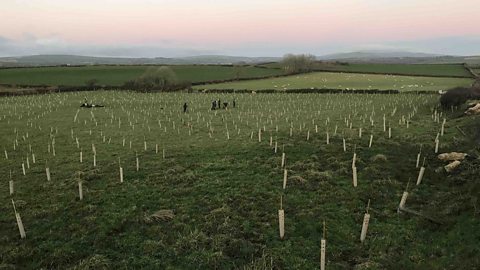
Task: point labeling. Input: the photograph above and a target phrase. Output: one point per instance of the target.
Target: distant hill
(393, 57)
(398, 57)
(54, 60)
(375, 55)
(226, 59)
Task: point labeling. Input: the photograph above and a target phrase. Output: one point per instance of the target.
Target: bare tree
(301, 63)
(162, 78)
(91, 83)
(238, 69)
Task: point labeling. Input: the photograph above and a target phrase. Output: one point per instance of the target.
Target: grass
(345, 81)
(442, 70)
(117, 75)
(212, 203)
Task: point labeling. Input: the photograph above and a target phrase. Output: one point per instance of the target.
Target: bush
(162, 78)
(302, 63)
(456, 97)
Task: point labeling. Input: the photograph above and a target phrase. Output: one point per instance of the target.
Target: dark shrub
(476, 91)
(455, 97)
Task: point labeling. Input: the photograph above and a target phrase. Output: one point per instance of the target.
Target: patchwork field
(202, 189)
(445, 70)
(117, 75)
(348, 81)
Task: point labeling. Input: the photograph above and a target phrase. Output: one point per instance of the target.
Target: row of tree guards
(366, 217)
(52, 150)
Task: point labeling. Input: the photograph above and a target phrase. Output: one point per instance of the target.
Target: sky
(175, 28)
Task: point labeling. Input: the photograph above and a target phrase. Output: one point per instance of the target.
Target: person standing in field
(214, 105)
(185, 106)
(233, 103)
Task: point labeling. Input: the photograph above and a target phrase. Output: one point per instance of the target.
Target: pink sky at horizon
(226, 23)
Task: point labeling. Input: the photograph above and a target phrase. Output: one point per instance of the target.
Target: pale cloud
(54, 45)
(171, 48)
(239, 27)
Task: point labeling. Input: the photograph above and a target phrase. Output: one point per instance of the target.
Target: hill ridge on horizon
(370, 56)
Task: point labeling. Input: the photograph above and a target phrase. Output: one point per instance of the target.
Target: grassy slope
(403, 69)
(117, 75)
(344, 81)
(225, 193)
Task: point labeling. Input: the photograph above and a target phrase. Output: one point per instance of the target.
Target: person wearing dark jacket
(185, 106)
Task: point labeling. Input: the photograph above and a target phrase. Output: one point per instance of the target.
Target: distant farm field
(443, 70)
(349, 81)
(117, 75)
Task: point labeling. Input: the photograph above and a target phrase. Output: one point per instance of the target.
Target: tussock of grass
(379, 157)
(297, 179)
(160, 215)
(220, 211)
(265, 262)
(86, 175)
(175, 169)
(95, 262)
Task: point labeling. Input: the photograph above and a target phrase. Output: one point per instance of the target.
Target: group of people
(85, 104)
(216, 104)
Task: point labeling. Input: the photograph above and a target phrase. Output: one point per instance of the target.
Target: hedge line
(316, 90)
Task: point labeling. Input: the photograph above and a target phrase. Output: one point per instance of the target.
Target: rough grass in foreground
(225, 193)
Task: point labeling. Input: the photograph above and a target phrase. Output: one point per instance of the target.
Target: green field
(117, 75)
(223, 182)
(332, 80)
(445, 70)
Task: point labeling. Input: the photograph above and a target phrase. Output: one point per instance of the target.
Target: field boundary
(396, 74)
(463, 65)
(132, 65)
(43, 91)
(316, 91)
(474, 74)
